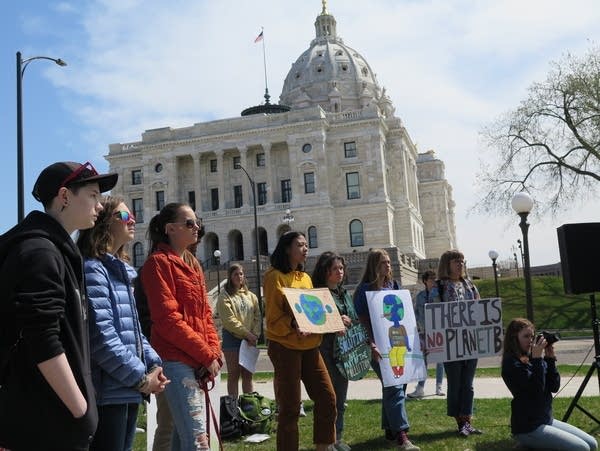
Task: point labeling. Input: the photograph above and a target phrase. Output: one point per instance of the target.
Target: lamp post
(522, 203)
(256, 249)
(217, 254)
(288, 217)
(21, 66)
(516, 263)
(494, 255)
(520, 244)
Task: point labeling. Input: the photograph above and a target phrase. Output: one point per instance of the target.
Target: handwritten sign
(463, 330)
(396, 336)
(352, 353)
(314, 310)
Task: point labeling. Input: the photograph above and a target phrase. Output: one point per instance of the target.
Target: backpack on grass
(257, 413)
(231, 422)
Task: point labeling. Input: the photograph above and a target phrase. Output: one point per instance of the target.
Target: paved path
(572, 352)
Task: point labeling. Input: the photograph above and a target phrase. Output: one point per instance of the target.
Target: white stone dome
(331, 74)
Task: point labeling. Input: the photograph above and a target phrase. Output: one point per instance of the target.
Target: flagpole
(267, 96)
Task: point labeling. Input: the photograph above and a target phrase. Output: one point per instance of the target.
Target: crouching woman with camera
(529, 371)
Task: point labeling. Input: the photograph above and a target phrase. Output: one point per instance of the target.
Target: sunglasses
(124, 216)
(190, 223)
(79, 171)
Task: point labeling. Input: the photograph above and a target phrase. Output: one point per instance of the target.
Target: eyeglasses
(190, 223)
(79, 171)
(124, 216)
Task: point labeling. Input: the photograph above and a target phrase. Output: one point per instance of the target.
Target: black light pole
(520, 243)
(217, 255)
(516, 263)
(522, 203)
(21, 66)
(256, 249)
(494, 255)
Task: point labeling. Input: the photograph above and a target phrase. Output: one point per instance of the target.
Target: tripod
(595, 367)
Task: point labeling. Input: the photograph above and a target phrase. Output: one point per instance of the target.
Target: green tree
(550, 145)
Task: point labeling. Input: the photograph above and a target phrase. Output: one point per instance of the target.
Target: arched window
(312, 237)
(138, 254)
(356, 233)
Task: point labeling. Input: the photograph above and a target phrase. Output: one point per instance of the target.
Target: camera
(551, 337)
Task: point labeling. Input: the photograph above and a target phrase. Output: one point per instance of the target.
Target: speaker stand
(594, 368)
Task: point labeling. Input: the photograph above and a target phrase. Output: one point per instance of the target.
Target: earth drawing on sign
(313, 308)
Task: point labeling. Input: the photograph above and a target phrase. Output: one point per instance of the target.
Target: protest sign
(396, 336)
(463, 330)
(314, 310)
(352, 353)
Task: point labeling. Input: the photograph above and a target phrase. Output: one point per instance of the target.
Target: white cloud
(450, 66)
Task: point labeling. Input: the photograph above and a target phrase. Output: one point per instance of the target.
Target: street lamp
(217, 255)
(516, 263)
(522, 203)
(494, 255)
(256, 248)
(520, 244)
(288, 218)
(21, 66)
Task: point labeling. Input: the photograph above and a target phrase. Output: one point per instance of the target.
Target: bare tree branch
(550, 144)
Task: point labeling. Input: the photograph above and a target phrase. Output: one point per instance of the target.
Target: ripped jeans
(186, 401)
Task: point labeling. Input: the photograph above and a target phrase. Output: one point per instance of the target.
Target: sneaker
(405, 443)
(302, 412)
(463, 430)
(438, 391)
(471, 429)
(341, 446)
(417, 394)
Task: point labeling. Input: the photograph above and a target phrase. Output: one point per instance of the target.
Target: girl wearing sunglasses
(183, 331)
(125, 368)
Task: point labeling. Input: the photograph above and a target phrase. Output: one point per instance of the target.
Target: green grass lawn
(553, 309)
(430, 429)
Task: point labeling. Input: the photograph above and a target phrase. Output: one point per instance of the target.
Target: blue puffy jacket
(121, 355)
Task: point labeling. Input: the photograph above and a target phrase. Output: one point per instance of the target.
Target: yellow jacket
(277, 310)
(239, 313)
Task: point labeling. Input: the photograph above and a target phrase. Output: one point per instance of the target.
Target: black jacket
(531, 385)
(43, 313)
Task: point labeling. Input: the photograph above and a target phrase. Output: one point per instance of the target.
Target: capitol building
(331, 159)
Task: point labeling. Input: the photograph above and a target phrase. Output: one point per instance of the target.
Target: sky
(450, 67)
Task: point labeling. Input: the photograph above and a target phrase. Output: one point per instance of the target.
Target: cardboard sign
(314, 310)
(463, 330)
(396, 336)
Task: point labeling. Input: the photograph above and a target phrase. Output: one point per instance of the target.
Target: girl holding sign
(293, 352)
(378, 276)
(529, 371)
(330, 272)
(453, 285)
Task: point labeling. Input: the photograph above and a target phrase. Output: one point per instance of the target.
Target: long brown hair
(370, 275)
(511, 337)
(95, 242)
(323, 266)
(229, 286)
(444, 265)
(156, 228)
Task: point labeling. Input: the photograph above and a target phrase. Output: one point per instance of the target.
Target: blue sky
(450, 67)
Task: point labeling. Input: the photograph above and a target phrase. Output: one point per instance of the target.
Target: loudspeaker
(579, 246)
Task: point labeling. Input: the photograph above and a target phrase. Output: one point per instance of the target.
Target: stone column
(221, 169)
(267, 149)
